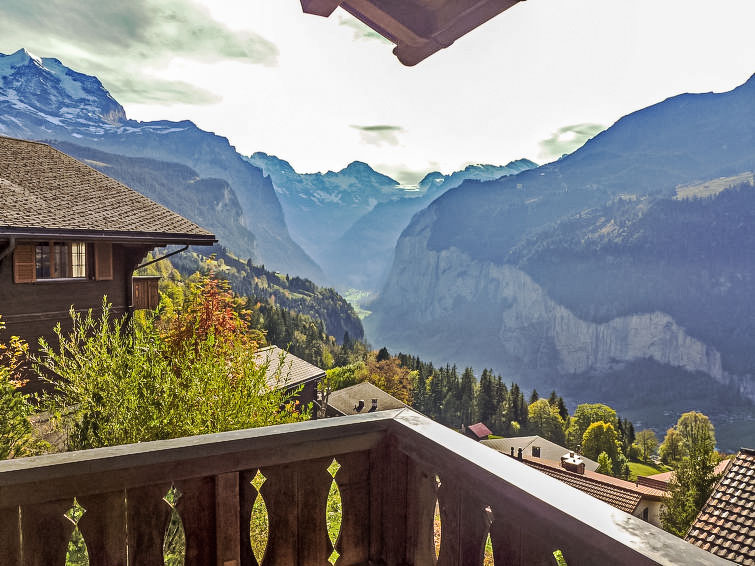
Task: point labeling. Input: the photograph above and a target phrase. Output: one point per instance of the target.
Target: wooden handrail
(395, 465)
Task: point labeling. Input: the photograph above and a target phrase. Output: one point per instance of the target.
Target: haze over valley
(621, 272)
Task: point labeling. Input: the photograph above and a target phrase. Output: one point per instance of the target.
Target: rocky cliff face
(531, 331)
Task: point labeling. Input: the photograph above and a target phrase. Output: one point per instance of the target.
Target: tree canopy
(600, 437)
(694, 477)
(585, 415)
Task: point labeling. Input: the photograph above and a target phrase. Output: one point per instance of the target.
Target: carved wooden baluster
(228, 519)
(247, 498)
(147, 518)
(450, 522)
(103, 527)
(279, 492)
(313, 486)
(420, 516)
(354, 484)
(10, 541)
(46, 532)
(506, 536)
(197, 510)
(474, 528)
(388, 512)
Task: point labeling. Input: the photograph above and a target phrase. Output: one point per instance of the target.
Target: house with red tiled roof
(662, 480)
(638, 500)
(70, 235)
(725, 525)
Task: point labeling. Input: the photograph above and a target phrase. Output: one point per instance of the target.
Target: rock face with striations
(616, 253)
(527, 329)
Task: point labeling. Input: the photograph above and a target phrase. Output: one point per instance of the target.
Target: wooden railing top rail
(537, 502)
(70, 474)
(547, 500)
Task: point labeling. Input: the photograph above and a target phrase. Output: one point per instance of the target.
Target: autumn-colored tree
(192, 373)
(16, 438)
(390, 376)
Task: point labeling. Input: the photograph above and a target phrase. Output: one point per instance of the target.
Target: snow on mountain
(42, 99)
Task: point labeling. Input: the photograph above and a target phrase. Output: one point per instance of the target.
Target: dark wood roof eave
(157, 239)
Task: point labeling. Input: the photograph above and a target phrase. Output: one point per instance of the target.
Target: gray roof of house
(285, 370)
(346, 400)
(43, 191)
(548, 450)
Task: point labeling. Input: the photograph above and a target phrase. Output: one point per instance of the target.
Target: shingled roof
(46, 193)
(726, 524)
(346, 401)
(284, 370)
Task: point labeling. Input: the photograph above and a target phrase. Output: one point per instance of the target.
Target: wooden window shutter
(103, 261)
(24, 266)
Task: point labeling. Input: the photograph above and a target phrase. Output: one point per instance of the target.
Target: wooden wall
(31, 310)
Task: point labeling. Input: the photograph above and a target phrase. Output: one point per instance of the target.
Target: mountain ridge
(474, 271)
(37, 102)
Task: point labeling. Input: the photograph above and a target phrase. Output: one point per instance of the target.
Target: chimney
(374, 405)
(573, 463)
(360, 406)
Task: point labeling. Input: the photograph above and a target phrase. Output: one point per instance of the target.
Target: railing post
(388, 521)
(196, 506)
(420, 544)
(354, 479)
(103, 527)
(10, 539)
(46, 533)
(228, 519)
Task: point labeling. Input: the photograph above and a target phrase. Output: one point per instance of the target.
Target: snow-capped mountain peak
(56, 96)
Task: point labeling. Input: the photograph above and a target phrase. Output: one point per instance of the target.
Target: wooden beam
(320, 7)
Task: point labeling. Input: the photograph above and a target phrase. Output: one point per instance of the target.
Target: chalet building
(477, 431)
(70, 235)
(289, 372)
(534, 447)
(360, 399)
(636, 499)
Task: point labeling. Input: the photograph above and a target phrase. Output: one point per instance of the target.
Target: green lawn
(642, 469)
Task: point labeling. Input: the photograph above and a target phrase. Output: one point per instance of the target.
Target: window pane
(61, 260)
(42, 261)
(78, 259)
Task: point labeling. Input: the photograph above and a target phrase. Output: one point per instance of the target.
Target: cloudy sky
(534, 82)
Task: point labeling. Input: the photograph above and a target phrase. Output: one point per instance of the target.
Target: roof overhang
(156, 239)
(419, 28)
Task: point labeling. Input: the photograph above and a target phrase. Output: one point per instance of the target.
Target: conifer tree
(486, 398)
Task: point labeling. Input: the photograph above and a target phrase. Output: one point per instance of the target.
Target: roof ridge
(38, 142)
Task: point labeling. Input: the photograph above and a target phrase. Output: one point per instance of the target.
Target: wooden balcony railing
(394, 467)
